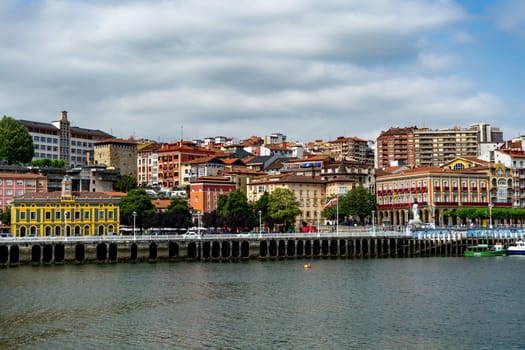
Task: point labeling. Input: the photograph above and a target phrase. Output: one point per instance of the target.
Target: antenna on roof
(181, 133)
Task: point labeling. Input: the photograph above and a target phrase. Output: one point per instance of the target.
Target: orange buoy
(307, 266)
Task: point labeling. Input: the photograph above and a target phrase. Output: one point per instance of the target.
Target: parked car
(190, 234)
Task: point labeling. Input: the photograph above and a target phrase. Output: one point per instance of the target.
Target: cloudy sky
(309, 69)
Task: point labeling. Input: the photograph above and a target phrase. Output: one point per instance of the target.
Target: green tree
(359, 202)
(234, 211)
(46, 162)
(179, 213)
(137, 201)
(125, 183)
(16, 145)
(283, 207)
(5, 216)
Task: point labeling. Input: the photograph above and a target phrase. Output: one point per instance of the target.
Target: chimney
(64, 115)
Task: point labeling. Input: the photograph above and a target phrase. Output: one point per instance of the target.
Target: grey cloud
(310, 69)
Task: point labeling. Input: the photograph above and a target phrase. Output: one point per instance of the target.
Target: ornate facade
(64, 214)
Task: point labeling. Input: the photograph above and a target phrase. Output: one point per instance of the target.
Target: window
(9, 182)
(19, 182)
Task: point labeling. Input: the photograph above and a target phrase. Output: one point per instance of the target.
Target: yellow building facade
(64, 214)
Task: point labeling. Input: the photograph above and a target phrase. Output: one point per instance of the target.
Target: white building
(59, 140)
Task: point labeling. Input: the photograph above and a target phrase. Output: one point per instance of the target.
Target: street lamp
(317, 213)
(373, 221)
(260, 223)
(134, 224)
(198, 223)
(490, 215)
(66, 214)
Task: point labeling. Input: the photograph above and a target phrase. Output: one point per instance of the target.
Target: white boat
(517, 249)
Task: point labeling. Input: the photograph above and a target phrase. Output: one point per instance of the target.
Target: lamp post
(317, 213)
(373, 221)
(490, 215)
(134, 224)
(260, 223)
(198, 222)
(66, 214)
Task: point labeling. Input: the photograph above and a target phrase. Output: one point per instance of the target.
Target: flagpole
(337, 214)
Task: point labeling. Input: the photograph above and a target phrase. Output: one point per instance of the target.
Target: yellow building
(62, 214)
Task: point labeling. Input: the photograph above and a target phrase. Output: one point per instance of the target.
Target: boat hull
(484, 254)
(515, 252)
(485, 250)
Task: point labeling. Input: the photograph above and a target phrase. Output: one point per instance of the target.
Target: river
(417, 303)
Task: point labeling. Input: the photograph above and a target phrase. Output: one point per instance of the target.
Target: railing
(235, 236)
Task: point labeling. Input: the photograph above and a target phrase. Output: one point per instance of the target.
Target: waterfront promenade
(246, 246)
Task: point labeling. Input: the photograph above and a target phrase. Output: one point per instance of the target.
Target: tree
(283, 207)
(125, 183)
(137, 201)
(358, 202)
(46, 162)
(234, 211)
(5, 216)
(16, 145)
(179, 213)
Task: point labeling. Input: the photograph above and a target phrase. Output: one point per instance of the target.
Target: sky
(308, 69)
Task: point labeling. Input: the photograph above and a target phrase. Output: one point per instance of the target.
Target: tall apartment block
(59, 140)
(437, 147)
(423, 147)
(396, 145)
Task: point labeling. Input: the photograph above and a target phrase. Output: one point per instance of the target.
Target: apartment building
(515, 160)
(396, 146)
(172, 172)
(16, 184)
(309, 191)
(437, 147)
(59, 140)
(205, 192)
(351, 148)
(148, 164)
(424, 147)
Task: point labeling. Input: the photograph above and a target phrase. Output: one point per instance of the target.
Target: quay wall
(155, 249)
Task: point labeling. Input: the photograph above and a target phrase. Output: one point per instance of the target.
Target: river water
(418, 303)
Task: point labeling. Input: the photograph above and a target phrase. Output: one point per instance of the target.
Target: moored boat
(483, 250)
(517, 249)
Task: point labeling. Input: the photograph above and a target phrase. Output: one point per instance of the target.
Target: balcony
(502, 204)
(446, 204)
(474, 204)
